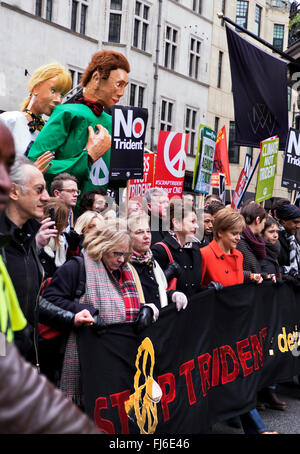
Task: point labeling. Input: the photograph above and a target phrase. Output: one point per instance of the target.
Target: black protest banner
(259, 86)
(127, 146)
(291, 166)
(208, 361)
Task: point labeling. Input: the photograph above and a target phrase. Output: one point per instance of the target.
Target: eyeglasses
(126, 255)
(72, 191)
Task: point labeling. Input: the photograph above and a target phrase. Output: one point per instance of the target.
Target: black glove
(216, 285)
(99, 323)
(292, 277)
(172, 270)
(144, 319)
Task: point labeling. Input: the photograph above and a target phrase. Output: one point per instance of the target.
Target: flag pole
(257, 38)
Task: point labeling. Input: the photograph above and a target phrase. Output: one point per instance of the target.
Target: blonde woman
(47, 87)
(111, 294)
(88, 221)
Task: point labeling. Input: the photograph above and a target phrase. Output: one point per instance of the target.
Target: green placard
(204, 159)
(267, 169)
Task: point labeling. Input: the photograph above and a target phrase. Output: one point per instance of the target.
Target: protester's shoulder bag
(172, 284)
(46, 332)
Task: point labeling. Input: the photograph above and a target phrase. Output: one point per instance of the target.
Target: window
(79, 16)
(166, 115)
(141, 25)
(136, 96)
(217, 121)
(195, 45)
(242, 13)
(220, 69)
(278, 35)
(233, 150)
(114, 33)
(257, 22)
(76, 77)
(197, 6)
(171, 38)
(38, 8)
(190, 128)
(44, 9)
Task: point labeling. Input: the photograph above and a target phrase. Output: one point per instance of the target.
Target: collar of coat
(219, 252)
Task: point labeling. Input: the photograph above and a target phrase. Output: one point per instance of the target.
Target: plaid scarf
(117, 301)
(94, 106)
(294, 252)
(146, 258)
(36, 123)
(187, 245)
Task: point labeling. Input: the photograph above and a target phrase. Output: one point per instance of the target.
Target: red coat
(220, 267)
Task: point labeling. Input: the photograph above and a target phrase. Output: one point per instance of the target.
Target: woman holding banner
(223, 263)
(110, 293)
(153, 281)
(180, 245)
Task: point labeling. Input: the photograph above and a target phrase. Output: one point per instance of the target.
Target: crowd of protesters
(75, 257)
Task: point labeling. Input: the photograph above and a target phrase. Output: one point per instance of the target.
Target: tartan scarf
(94, 106)
(117, 302)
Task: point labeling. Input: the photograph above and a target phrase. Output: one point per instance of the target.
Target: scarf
(116, 301)
(256, 243)
(294, 252)
(94, 106)
(147, 259)
(188, 245)
(36, 123)
(273, 250)
(57, 252)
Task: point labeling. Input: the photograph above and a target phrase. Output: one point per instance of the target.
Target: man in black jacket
(19, 222)
(289, 257)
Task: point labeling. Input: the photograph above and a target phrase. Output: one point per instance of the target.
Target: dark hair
(278, 203)
(253, 210)
(178, 211)
(214, 207)
(269, 221)
(57, 182)
(86, 203)
(104, 62)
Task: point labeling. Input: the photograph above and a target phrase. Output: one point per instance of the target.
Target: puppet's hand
(43, 162)
(98, 143)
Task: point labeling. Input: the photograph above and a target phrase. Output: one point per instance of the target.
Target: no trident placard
(127, 142)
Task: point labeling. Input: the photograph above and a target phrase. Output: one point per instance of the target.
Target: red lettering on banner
(163, 380)
(204, 372)
(226, 376)
(185, 369)
(215, 368)
(119, 400)
(257, 347)
(103, 424)
(244, 356)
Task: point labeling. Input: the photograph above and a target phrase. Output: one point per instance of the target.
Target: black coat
(149, 284)
(284, 256)
(20, 256)
(189, 260)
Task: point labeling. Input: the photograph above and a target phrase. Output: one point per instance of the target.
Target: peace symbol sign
(179, 158)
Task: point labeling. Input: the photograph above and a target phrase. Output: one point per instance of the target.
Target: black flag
(259, 85)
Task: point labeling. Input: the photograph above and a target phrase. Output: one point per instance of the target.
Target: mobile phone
(51, 214)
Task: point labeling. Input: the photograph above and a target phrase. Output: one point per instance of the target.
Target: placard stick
(293, 196)
(127, 196)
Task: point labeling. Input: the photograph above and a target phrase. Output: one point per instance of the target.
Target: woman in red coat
(223, 263)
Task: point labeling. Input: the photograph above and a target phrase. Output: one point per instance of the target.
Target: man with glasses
(65, 187)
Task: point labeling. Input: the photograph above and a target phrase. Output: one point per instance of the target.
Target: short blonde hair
(135, 219)
(84, 220)
(228, 219)
(98, 242)
(45, 72)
